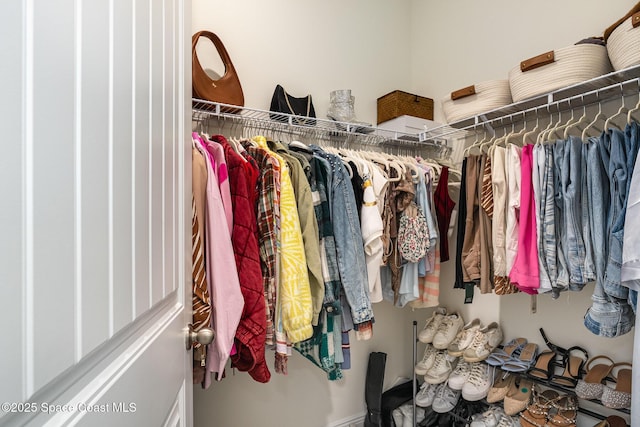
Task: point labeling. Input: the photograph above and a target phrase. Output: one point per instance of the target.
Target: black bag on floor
(393, 398)
(373, 388)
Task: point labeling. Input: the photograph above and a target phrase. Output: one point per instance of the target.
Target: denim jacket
(348, 238)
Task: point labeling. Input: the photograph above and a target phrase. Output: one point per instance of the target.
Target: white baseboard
(351, 421)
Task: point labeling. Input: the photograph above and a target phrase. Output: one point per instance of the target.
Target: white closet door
(96, 209)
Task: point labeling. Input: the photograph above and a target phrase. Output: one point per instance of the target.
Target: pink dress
(525, 273)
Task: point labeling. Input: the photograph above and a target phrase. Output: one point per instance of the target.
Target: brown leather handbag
(226, 89)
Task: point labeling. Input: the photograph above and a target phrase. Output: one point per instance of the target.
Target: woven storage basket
(469, 101)
(557, 69)
(623, 40)
(399, 103)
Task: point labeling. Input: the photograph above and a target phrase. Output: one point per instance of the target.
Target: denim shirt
(348, 238)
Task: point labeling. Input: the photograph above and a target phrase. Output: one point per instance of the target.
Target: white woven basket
(484, 96)
(557, 69)
(623, 45)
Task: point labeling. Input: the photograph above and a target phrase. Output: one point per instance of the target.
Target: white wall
(372, 47)
(313, 47)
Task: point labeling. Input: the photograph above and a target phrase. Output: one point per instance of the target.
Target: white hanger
(582, 121)
(532, 132)
(635, 109)
(621, 111)
(599, 116)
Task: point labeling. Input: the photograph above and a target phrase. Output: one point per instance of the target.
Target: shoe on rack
(484, 342)
(342, 110)
(464, 338)
(620, 396)
(500, 356)
(479, 382)
(431, 325)
(518, 396)
(525, 360)
(508, 421)
(537, 412)
(447, 330)
(489, 418)
(406, 410)
(446, 399)
(441, 369)
(460, 374)
(500, 387)
(426, 394)
(398, 416)
(427, 360)
(564, 412)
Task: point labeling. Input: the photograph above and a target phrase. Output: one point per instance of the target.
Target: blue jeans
(573, 242)
(608, 316)
(562, 280)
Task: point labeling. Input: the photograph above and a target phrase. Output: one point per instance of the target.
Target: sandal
(543, 367)
(524, 361)
(538, 410)
(572, 368)
(592, 385)
(564, 412)
(620, 397)
(500, 356)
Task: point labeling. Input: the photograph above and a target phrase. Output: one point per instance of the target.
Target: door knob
(204, 336)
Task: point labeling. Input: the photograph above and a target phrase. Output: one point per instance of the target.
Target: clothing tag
(468, 292)
(534, 303)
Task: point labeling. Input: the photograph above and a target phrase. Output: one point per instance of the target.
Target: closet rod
(581, 96)
(314, 127)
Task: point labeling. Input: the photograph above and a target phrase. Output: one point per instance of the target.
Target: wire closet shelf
(339, 133)
(600, 89)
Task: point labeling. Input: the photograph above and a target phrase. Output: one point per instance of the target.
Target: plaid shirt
(268, 217)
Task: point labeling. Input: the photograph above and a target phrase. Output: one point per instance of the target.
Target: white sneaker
(446, 399)
(407, 415)
(398, 416)
(447, 330)
(464, 338)
(460, 374)
(507, 421)
(484, 342)
(428, 358)
(479, 382)
(441, 369)
(431, 326)
(426, 394)
(489, 418)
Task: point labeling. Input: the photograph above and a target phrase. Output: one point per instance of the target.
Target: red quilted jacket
(251, 332)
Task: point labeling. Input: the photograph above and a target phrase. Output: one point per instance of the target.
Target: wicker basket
(469, 101)
(623, 40)
(557, 69)
(399, 103)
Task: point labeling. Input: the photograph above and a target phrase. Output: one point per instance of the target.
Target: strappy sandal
(564, 412)
(545, 363)
(620, 397)
(592, 385)
(500, 356)
(537, 411)
(524, 361)
(543, 367)
(573, 368)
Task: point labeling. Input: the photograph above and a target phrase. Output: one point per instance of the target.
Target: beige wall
(372, 47)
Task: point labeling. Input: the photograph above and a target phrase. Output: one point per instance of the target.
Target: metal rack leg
(415, 357)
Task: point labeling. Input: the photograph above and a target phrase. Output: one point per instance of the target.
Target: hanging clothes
(444, 208)
(525, 271)
(223, 283)
(251, 332)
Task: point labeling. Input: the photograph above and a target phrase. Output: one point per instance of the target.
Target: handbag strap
(222, 51)
(286, 97)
